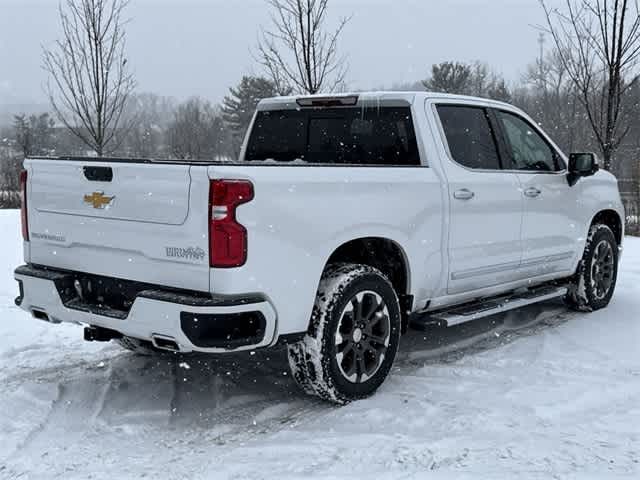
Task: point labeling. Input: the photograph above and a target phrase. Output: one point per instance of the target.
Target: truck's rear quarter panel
(301, 214)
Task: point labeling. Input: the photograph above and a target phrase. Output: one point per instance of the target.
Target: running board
(485, 308)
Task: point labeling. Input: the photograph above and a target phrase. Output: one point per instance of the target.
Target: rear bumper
(196, 323)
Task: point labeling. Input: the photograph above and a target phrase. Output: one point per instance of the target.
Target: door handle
(464, 194)
(532, 192)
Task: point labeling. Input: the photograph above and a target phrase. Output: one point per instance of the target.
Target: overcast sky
(182, 48)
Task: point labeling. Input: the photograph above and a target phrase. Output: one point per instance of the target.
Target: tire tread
(579, 298)
(307, 359)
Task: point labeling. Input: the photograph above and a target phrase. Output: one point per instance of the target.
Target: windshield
(359, 136)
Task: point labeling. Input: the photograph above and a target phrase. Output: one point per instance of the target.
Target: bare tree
(89, 81)
(599, 45)
(150, 115)
(298, 51)
(33, 135)
(197, 131)
(549, 95)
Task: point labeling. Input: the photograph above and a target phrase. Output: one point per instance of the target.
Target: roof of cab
(387, 98)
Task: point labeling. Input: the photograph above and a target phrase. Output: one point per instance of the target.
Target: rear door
(551, 232)
(486, 203)
(138, 221)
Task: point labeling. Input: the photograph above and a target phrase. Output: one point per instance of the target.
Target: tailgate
(138, 221)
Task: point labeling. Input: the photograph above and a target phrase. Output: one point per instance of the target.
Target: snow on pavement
(537, 393)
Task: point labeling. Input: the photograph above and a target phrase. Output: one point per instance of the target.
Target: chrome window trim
(435, 102)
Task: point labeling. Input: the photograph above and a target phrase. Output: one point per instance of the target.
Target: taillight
(227, 238)
(23, 205)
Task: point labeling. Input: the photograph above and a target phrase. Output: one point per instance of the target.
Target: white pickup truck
(346, 220)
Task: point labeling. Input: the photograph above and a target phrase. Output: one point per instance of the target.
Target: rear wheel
(353, 336)
(595, 281)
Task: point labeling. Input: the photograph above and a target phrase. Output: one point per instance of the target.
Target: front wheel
(595, 281)
(353, 335)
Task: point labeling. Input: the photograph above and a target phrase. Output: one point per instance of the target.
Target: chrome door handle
(464, 194)
(532, 192)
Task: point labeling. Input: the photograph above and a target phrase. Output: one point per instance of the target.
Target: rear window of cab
(341, 135)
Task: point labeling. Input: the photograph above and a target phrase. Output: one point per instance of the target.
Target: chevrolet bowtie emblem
(98, 200)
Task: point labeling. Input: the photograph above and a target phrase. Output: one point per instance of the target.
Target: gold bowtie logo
(98, 200)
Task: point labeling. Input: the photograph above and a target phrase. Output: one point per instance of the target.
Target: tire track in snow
(37, 429)
(60, 368)
(73, 415)
(32, 431)
(223, 402)
(212, 400)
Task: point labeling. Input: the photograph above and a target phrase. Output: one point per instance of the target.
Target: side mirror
(581, 165)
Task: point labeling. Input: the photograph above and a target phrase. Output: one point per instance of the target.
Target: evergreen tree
(450, 77)
(238, 107)
(475, 79)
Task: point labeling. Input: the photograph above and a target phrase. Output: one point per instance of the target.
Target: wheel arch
(611, 219)
(381, 253)
(386, 255)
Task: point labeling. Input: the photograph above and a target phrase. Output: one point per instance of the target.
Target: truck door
(486, 203)
(552, 231)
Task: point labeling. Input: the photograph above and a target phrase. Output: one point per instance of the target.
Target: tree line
(583, 88)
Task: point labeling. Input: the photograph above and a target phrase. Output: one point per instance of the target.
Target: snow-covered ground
(539, 393)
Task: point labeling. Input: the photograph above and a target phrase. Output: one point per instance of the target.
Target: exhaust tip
(44, 316)
(99, 334)
(162, 342)
(40, 315)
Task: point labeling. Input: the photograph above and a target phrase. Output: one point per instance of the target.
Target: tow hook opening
(99, 334)
(165, 343)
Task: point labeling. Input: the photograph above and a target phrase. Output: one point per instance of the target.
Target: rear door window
(471, 139)
(354, 136)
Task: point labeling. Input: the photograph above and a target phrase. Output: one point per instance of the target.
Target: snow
(539, 393)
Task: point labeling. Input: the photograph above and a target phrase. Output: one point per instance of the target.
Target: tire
(595, 280)
(339, 360)
(139, 347)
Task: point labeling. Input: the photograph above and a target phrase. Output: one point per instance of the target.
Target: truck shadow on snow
(255, 388)
(236, 396)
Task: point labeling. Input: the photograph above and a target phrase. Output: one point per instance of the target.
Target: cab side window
(527, 149)
(470, 137)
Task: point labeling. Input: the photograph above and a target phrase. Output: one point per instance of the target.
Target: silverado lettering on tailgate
(191, 253)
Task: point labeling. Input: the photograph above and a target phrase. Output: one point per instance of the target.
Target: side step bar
(485, 308)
